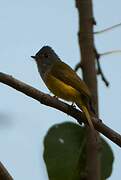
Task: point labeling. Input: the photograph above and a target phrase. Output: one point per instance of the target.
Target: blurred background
(26, 26)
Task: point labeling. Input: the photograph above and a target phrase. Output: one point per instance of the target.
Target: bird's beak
(34, 57)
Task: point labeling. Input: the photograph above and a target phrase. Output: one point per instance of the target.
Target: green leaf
(107, 159)
(65, 153)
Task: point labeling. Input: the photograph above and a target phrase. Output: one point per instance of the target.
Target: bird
(63, 81)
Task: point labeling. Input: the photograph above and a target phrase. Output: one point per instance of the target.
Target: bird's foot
(56, 97)
(73, 105)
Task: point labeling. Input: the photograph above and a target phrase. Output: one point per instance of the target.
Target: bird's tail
(87, 115)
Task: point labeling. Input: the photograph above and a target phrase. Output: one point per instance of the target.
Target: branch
(86, 44)
(59, 105)
(4, 175)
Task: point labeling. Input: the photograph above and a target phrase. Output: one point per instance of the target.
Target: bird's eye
(45, 55)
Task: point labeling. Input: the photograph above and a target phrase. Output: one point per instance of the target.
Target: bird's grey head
(45, 59)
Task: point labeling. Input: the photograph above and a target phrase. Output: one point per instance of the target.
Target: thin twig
(107, 29)
(57, 104)
(78, 66)
(99, 71)
(111, 52)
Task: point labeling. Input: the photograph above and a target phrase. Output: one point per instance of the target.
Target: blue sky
(26, 26)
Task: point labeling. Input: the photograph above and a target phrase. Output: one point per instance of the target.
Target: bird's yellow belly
(61, 90)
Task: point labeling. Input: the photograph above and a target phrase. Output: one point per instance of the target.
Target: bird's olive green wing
(63, 72)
